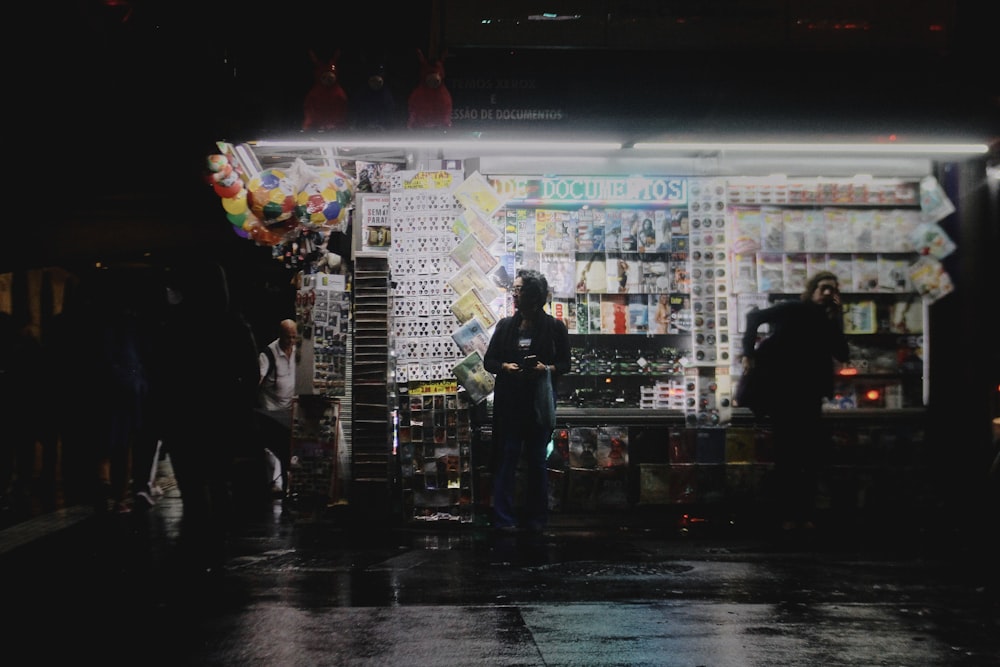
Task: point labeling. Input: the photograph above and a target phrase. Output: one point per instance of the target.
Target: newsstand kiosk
(654, 252)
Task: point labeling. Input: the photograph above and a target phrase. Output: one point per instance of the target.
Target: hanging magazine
(474, 377)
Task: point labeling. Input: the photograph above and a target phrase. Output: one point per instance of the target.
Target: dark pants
(275, 430)
(533, 441)
(800, 448)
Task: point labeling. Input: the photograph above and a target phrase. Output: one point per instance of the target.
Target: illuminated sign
(595, 190)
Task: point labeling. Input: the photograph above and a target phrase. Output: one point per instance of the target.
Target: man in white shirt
(277, 389)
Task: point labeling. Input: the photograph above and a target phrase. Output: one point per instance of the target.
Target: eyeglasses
(516, 289)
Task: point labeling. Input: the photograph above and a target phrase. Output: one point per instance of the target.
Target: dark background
(119, 102)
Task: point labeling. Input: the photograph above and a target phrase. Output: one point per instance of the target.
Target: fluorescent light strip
(919, 149)
(486, 146)
(498, 146)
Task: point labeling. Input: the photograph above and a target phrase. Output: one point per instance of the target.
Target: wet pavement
(292, 590)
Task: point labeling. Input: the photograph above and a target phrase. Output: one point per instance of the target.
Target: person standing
(527, 348)
(276, 393)
(205, 386)
(805, 336)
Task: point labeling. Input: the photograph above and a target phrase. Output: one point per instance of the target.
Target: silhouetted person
(805, 337)
(526, 349)
(205, 379)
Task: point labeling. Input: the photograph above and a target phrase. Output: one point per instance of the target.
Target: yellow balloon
(236, 204)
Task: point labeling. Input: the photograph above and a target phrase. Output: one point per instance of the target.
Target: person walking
(805, 336)
(528, 349)
(205, 380)
(276, 394)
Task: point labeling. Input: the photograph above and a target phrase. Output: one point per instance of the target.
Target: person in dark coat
(805, 337)
(525, 349)
(205, 378)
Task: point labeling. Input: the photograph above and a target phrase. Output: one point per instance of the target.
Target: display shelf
(371, 427)
(435, 453)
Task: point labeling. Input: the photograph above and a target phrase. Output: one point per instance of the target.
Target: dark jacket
(513, 395)
(801, 347)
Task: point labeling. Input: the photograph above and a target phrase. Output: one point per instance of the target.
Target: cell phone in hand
(530, 361)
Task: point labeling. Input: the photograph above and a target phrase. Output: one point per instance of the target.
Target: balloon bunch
(283, 208)
(227, 180)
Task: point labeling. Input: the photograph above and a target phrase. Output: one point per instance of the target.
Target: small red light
(873, 394)
(850, 370)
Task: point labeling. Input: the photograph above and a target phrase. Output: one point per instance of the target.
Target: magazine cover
(582, 314)
(906, 315)
(618, 275)
(374, 176)
(745, 273)
(863, 224)
(816, 262)
(471, 304)
(839, 233)
(746, 229)
(658, 316)
(545, 229)
(594, 313)
(583, 447)
(472, 375)
(814, 223)
(376, 228)
(612, 489)
(469, 222)
(655, 275)
(865, 273)
(746, 303)
(613, 230)
(646, 235)
(772, 229)
(475, 192)
(638, 314)
(931, 239)
(893, 274)
(795, 272)
(565, 311)
(770, 272)
(509, 223)
(470, 249)
(470, 276)
(631, 224)
(681, 315)
(585, 231)
(591, 275)
(614, 313)
(794, 224)
(472, 337)
(663, 224)
(597, 228)
(842, 266)
(559, 270)
(612, 446)
(934, 202)
(859, 317)
(930, 279)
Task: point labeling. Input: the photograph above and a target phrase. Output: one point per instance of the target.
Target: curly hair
(534, 289)
(814, 282)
